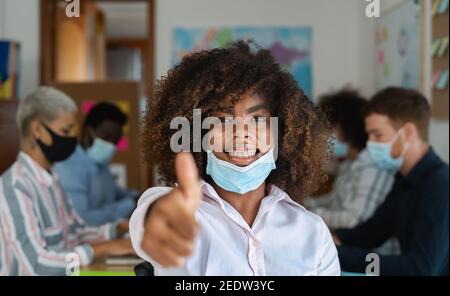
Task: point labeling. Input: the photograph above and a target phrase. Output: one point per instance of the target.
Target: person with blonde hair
(40, 232)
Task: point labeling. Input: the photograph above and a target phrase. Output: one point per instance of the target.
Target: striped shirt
(39, 229)
(358, 190)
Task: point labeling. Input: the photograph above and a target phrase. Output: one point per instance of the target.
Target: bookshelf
(439, 93)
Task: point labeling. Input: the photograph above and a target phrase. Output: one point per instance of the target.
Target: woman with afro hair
(234, 209)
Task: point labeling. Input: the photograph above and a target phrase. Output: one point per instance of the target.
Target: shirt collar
(421, 168)
(275, 194)
(41, 174)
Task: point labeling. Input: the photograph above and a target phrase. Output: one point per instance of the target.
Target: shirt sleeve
(137, 221)
(323, 201)
(328, 257)
(373, 232)
(76, 188)
(122, 193)
(117, 210)
(25, 234)
(368, 190)
(428, 252)
(80, 231)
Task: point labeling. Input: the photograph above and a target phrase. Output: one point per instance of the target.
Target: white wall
(343, 42)
(388, 4)
(339, 32)
(2, 19)
(19, 21)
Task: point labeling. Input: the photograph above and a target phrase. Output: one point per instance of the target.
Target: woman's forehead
(243, 103)
(65, 117)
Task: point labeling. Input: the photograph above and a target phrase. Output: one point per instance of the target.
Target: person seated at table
(40, 232)
(85, 175)
(360, 186)
(416, 209)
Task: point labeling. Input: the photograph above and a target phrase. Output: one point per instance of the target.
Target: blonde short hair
(44, 103)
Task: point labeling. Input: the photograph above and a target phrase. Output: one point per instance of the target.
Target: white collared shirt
(285, 239)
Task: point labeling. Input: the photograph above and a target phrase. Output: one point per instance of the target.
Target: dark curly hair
(206, 79)
(105, 111)
(345, 109)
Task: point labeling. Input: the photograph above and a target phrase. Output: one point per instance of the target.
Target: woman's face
(245, 142)
(62, 126)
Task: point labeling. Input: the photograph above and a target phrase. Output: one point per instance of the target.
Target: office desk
(103, 269)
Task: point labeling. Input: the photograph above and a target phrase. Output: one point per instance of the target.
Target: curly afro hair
(345, 109)
(208, 80)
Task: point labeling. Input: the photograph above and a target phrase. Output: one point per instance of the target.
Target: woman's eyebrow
(257, 108)
(229, 110)
(373, 131)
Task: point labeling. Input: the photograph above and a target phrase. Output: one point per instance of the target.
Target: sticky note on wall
(444, 46)
(123, 144)
(435, 7)
(87, 106)
(443, 80)
(435, 46)
(443, 7)
(435, 78)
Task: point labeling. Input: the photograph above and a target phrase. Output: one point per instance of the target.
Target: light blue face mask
(340, 149)
(240, 179)
(381, 154)
(101, 151)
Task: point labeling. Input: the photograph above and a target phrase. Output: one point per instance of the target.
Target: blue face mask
(340, 149)
(240, 179)
(381, 154)
(101, 151)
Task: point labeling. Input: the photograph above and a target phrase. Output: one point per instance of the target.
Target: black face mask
(61, 148)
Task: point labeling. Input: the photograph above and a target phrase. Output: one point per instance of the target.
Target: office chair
(144, 269)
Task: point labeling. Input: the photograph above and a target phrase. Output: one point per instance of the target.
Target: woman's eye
(260, 119)
(227, 120)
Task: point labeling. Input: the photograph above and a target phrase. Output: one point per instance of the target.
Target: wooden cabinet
(9, 134)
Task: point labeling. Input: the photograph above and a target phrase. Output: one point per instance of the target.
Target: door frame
(48, 18)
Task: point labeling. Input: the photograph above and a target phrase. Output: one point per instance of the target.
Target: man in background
(360, 186)
(416, 209)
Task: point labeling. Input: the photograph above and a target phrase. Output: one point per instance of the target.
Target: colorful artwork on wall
(290, 46)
